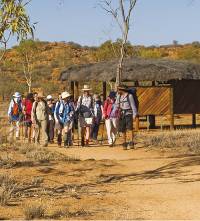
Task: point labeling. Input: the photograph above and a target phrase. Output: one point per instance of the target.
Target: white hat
(86, 88)
(49, 97)
(65, 95)
(17, 95)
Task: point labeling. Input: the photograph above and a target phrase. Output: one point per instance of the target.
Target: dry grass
(35, 210)
(7, 187)
(65, 213)
(20, 154)
(170, 139)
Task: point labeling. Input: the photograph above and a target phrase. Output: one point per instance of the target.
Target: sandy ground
(110, 183)
(149, 184)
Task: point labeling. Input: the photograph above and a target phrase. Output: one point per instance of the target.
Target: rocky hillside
(52, 58)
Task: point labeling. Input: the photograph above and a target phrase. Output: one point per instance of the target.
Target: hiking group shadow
(178, 170)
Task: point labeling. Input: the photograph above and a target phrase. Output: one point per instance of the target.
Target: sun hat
(122, 87)
(40, 95)
(49, 97)
(86, 88)
(17, 95)
(65, 94)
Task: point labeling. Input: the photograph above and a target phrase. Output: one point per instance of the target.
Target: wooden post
(152, 121)
(104, 90)
(137, 123)
(194, 120)
(161, 123)
(172, 107)
(76, 90)
(136, 83)
(148, 124)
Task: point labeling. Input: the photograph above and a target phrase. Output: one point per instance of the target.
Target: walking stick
(102, 134)
(78, 132)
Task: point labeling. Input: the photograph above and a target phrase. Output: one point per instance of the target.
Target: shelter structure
(164, 87)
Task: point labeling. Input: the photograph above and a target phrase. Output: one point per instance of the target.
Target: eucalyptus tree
(122, 15)
(14, 21)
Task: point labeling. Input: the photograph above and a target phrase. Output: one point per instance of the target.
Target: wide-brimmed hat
(65, 95)
(41, 95)
(122, 87)
(17, 95)
(49, 97)
(86, 88)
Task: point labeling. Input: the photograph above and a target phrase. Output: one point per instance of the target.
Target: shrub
(34, 211)
(7, 187)
(169, 139)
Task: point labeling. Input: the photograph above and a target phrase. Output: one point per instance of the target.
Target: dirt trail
(149, 184)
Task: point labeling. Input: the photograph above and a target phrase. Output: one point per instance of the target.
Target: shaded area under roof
(135, 69)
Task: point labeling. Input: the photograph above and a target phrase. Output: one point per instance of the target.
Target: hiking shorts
(125, 123)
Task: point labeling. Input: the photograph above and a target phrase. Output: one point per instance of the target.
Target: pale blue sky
(154, 22)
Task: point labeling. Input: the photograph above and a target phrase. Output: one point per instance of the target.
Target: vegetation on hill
(51, 58)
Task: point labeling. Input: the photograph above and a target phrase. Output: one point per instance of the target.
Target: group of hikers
(45, 119)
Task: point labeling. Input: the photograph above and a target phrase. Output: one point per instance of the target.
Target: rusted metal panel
(154, 100)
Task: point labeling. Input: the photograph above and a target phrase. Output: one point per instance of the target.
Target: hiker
(57, 116)
(128, 113)
(66, 118)
(27, 108)
(98, 110)
(15, 115)
(85, 111)
(40, 112)
(51, 120)
(35, 98)
(111, 114)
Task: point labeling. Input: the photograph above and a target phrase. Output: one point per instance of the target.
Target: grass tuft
(34, 210)
(170, 139)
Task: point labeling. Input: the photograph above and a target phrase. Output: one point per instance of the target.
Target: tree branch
(114, 12)
(4, 42)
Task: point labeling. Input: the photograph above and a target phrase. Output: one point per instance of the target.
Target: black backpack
(133, 92)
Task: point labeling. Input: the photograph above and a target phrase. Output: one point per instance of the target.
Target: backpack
(86, 114)
(16, 109)
(133, 92)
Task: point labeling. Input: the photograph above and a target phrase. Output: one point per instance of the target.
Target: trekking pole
(23, 124)
(102, 133)
(78, 131)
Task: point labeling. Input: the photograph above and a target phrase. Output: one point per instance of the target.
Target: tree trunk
(29, 87)
(120, 66)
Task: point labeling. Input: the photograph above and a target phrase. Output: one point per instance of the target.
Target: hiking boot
(66, 144)
(87, 143)
(111, 145)
(114, 141)
(82, 142)
(130, 145)
(124, 146)
(70, 144)
(59, 144)
(45, 145)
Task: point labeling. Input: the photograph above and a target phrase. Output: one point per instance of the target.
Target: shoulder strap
(81, 100)
(128, 99)
(92, 101)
